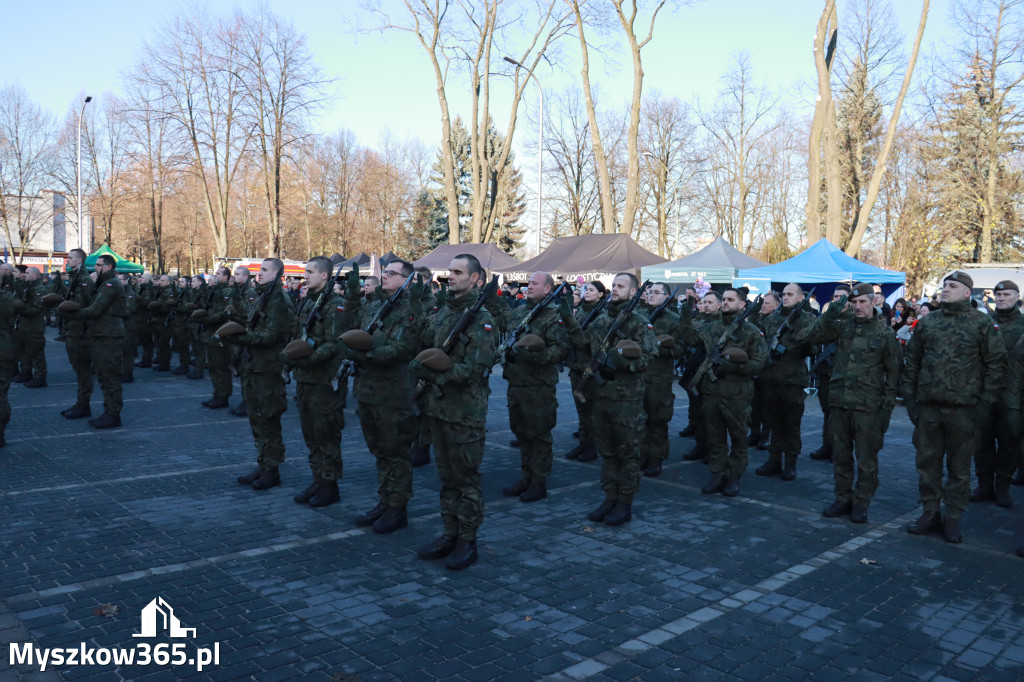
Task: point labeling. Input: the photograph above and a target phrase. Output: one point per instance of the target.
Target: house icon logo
(158, 615)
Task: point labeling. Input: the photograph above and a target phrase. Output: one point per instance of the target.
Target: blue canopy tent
(823, 263)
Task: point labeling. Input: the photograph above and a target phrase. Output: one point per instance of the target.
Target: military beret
(666, 341)
(51, 299)
(229, 329)
(629, 349)
(1006, 285)
(961, 277)
(735, 354)
(357, 339)
(199, 314)
(862, 289)
(154, 305)
(19, 304)
(531, 342)
(435, 360)
(298, 349)
(68, 307)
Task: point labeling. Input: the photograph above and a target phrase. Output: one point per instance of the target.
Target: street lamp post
(540, 150)
(78, 197)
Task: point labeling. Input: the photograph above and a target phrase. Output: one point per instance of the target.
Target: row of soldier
(621, 365)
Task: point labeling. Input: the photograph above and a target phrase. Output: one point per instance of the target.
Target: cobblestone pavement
(695, 588)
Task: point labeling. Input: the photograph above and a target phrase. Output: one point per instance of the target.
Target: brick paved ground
(695, 588)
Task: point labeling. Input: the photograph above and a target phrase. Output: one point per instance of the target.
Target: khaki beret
(666, 341)
(19, 304)
(229, 329)
(629, 349)
(357, 339)
(298, 349)
(68, 307)
(52, 299)
(531, 342)
(735, 354)
(862, 289)
(199, 314)
(961, 277)
(154, 305)
(172, 302)
(435, 360)
(1006, 285)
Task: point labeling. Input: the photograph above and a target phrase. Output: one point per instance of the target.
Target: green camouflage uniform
(726, 402)
(159, 324)
(131, 332)
(423, 439)
(77, 344)
(260, 368)
(782, 383)
(104, 317)
(954, 371)
(825, 362)
(618, 397)
(219, 356)
(180, 340)
(143, 321)
(862, 392)
(532, 378)
(195, 337)
(659, 399)
(999, 437)
(319, 414)
(31, 331)
(457, 411)
(382, 386)
(577, 361)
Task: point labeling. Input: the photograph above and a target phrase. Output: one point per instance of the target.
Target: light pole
(78, 197)
(540, 149)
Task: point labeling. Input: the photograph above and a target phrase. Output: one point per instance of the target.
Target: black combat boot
(514, 443)
(602, 511)
(621, 513)
(216, 403)
(370, 517)
(1003, 498)
(732, 486)
(162, 368)
(307, 494)
(837, 509)
(438, 548)
(463, 555)
(859, 514)
(22, 377)
(391, 520)
(326, 494)
(653, 468)
(764, 441)
(822, 453)
(1018, 476)
(695, 454)
(538, 490)
(689, 431)
(195, 374)
(77, 411)
(589, 453)
(240, 411)
(773, 467)
(269, 478)
(789, 470)
(516, 489)
(928, 522)
(248, 478)
(144, 364)
(715, 484)
(179, 371)
(752, 439)
(951, 529)
(36, 383)
(984, 492)
(125, 379)
(106, 421)
(575, 452)
(420, 456)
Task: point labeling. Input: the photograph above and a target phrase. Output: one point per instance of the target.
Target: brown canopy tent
(592, 257)
(489, 255)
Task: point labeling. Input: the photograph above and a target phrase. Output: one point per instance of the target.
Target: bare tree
(106, 138)
(665, 135)
(823, 128)
(568, 146)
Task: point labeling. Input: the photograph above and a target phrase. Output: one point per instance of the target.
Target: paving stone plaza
(97, 525)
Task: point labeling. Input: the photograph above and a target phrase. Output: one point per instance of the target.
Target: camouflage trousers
(145, 341)
(532, 414)
(423, 438)
(389, 433)
(220, 376)
(106, 358)
(782, 408)
(79, 350)
(659, 402)
(162, 343)
(265, 401)
(945, 435)
(584, 411)
(32, 354)
(199, 357)
(5, 383)
(618, 433)
(726, 421)
(860, 433)
(998, 449)
(459, 452)
(757, 425)
(321, 422)
(128, 345)
(827, 437)
(180, 344)
(695, 412)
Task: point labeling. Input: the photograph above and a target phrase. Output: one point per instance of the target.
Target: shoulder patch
(109, 284)
(487, 327)
(650, 326)
(341, 308)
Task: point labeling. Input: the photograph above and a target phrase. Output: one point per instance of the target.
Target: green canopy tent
(123, 265)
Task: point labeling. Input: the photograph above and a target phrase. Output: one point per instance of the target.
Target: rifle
(24, 299)
(510, 340)
(174, 310)
(601, 355)
(591, 316)
(714, 355)
(664, 304)
(375, 323)
(206, 306)
(774, 347)
(68, 294)
(824, 357)
(311, 319)
(458, 332)
(250, 323)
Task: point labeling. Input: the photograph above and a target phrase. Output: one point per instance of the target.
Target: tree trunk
(824, 128)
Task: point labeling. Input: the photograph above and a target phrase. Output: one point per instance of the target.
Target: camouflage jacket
(954, 358)
(868, 362)
(269, 334)
(384, 379)
(82, 295)
(322, 365)
(30, 318)
(158, 315)
(463, 391)
(223, 295)
(1010, 325)
(579, 352)
(662, 366)
(105, 312)
(131, 303)
(626, 383)
(525, 368)
(143, 298)
(736, 382)
(6, 320)
(788, 368)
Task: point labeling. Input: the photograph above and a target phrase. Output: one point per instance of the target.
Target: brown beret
(862, 289)
(629, 349)
(200, 314)
(68, 307)
(531, 342)
(298, 349)
(154, 305)
(51, 299)
(19, 304)
(961, 277)
(666, 341)
(735, 354)
(1006, 285)
(435, 360)
(229, 329)
(357, 339)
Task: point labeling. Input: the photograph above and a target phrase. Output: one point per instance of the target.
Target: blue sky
(385, 81)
